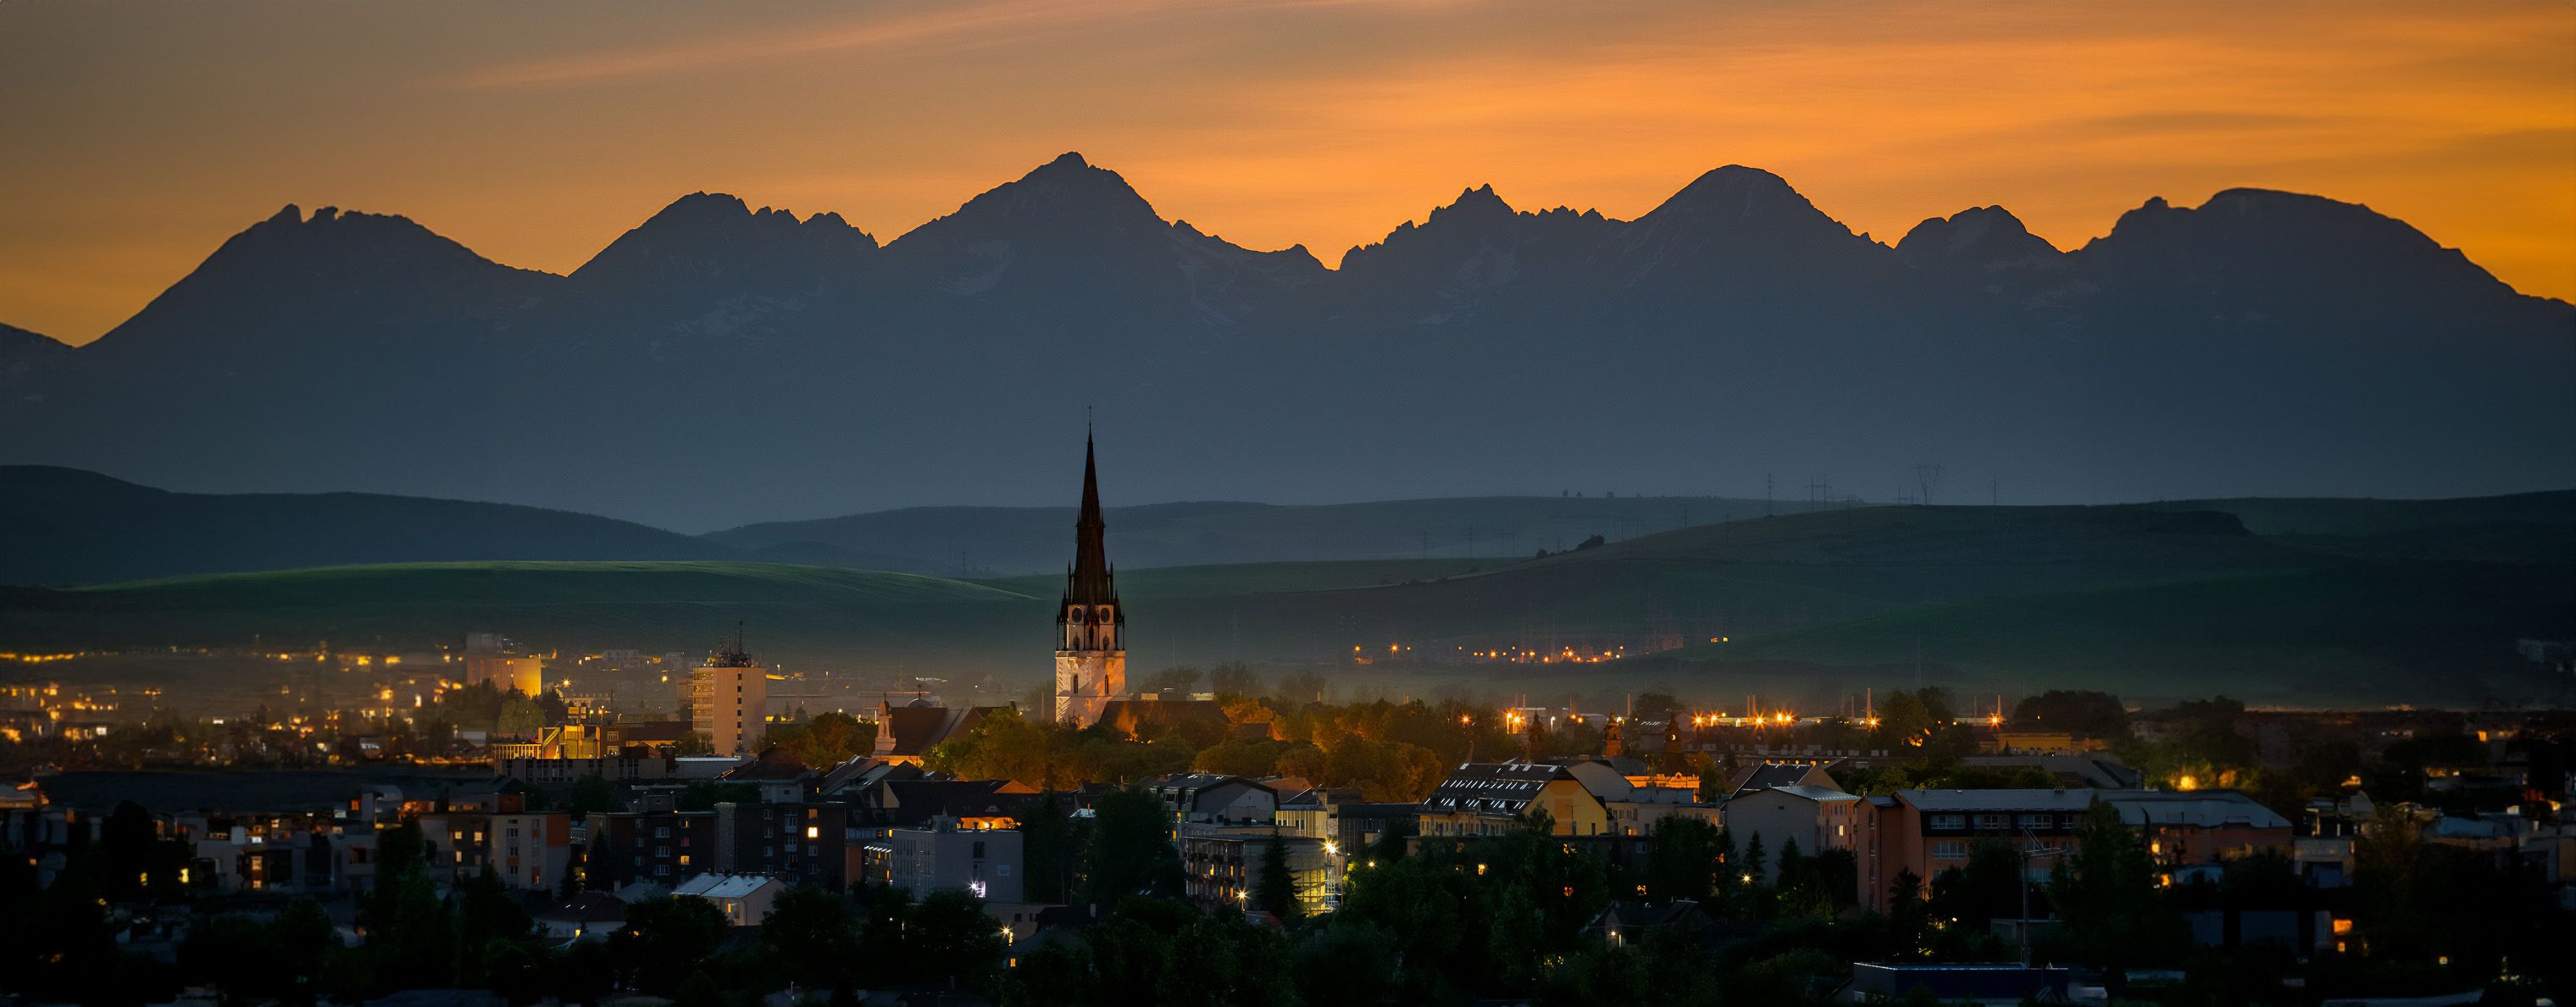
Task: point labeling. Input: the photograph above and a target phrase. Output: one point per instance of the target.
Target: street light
(2029, 854)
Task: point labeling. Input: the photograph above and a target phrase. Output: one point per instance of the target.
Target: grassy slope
(68, 526)
(2438, 632)
(802, 611)
(2147, 602)
(1014, 540)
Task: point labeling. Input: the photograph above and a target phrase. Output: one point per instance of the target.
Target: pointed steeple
(1089, 582)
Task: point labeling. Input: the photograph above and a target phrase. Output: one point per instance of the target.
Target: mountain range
(720, 365)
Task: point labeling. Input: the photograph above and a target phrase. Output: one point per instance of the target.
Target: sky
(139, 135)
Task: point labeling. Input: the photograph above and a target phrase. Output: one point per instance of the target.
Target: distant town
(500, 822)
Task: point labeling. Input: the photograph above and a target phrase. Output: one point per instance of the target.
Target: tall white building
(729, 700)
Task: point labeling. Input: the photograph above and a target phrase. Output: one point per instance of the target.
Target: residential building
(2323, 847)
(2098, 770)
(802, 843)
(1221, 867)
(587, 916)
(905, 734)
(729, 700)
(745, 899)
(2200, 826)
(781, 777)
(493, 660)
(1815, 818)
(986, 862)
(560, 772)
(1216, 799)
(1486, 798)
(1930, 831)
(561, 741)
(891, 804)
(1765, 775)
(660, 846)
(530, 851)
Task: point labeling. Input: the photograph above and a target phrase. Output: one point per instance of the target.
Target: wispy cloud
(986, 23)
(981, 23)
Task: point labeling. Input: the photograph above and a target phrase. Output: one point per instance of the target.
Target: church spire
(1090, 581)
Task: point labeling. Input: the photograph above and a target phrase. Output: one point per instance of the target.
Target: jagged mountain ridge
(718, 364)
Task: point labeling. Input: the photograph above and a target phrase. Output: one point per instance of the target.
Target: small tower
(1090, 627)
(1610, 746)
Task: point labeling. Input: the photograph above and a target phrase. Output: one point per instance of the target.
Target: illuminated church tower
(1090, 629)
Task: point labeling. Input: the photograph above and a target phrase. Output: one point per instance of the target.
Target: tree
(1234, 678)
(1987, 889)
(1179, 678)
(704, 795)
(1131, 846)
(699, 990)
(488, 918)
(1682, 863)
(2099, 714)
(1277, 892)
(1052, 849)
(824, 740)
(2106, 893)
(1302, 687)
(588, 794)
(664, 940)
(127, 838)
(949, 938)
(811, 937)
(519, 717)
(1907, 914)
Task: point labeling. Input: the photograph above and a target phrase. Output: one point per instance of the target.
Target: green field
(2151, 602)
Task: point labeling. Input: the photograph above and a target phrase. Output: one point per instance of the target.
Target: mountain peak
(1065, 198)
(1477, 204)
(1735, 195)
(2258, 242)
(1978, 236)
(717, 238)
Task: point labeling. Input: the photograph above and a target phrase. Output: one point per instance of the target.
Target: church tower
(1090, 628)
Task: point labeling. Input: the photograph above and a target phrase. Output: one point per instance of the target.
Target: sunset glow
(139, 143)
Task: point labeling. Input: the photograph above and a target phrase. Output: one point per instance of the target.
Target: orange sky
(138, 136)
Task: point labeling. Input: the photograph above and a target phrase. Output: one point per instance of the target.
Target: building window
(1949, 821)
(1949, 849)
(1992, 820)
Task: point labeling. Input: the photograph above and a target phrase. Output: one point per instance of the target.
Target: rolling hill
(2153, 602)
(1015, 540)
(66, 526)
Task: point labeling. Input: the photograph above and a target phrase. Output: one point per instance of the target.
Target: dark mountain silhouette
(1974, 241)
(709, 264)
(68, 526)
(719, 365)
(24, 353)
